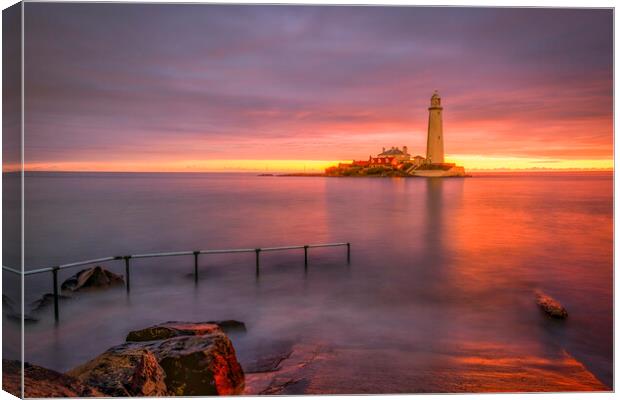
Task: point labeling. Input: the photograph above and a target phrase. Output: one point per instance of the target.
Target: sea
(439, 294)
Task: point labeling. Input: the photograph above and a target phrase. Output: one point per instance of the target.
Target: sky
(156, 87)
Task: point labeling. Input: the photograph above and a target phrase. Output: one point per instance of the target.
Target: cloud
(142, 81)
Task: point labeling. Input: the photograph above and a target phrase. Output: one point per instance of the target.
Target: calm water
(441, 270)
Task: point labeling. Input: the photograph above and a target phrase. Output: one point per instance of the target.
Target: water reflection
(442, 271)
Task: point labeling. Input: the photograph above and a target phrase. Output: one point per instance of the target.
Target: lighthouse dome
(435, 99)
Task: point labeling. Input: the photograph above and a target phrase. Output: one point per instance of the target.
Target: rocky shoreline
(178, 358)
(173, 359)
(169, 359)
(314, 368)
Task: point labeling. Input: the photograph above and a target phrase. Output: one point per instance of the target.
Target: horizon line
(496, 170)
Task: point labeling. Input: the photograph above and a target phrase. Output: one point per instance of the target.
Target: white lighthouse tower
(434, 140)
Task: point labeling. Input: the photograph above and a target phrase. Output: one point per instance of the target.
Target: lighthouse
(434, 140)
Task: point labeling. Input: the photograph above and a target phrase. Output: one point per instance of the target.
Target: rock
(230, 325)
(200, 365)
(41, 382)
(17, 317)
(87, 279)
(9, 311)
(148, 377)
(46, 300)
(267, 357)
(268, 364)
(551, 306)
(7, 302)
(92, 278)
(196, 359)
(174, 328)
(171, 329)
(123, 372)
(288, 372)
(293, 386)
(478, 366)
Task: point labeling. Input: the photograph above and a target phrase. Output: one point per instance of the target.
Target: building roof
(394, 151)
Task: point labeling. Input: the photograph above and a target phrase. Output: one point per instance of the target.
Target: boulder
(123, 372)
(174, 359)
(171, 329)
(17, 317)
(230, 325)
(174, 328)
(42, 382)
(287, 369)
(7, 302)
(550, 306)
(267, 356)
(203, 365)
(8, 311)
(46, 300)
(148, 377)
(270, 363)
(92, 278)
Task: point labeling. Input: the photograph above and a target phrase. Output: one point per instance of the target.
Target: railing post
(348, 253)
(196, 266)
(127, 282)
(306, 256)
(257, 262)
(55, 283)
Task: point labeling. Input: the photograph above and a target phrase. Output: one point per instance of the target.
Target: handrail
(54, 270)
(171, 254)
(11, 270)
(86, 262)
(281, 248)
(226, 251)
(329, 245)
(38, 271)
(167, 254)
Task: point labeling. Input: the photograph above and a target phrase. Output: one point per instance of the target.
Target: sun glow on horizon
(470, 162)
(190, 166)
(485, 163)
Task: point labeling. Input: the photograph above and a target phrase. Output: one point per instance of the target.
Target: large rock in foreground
(42, 382)
(92, 278)
(189, 359)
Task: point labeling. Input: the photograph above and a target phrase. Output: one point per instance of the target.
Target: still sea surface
(439, 294)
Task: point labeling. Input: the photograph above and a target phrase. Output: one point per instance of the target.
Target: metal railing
(54, 270)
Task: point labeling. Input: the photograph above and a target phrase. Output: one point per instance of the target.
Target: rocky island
(398, 162)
